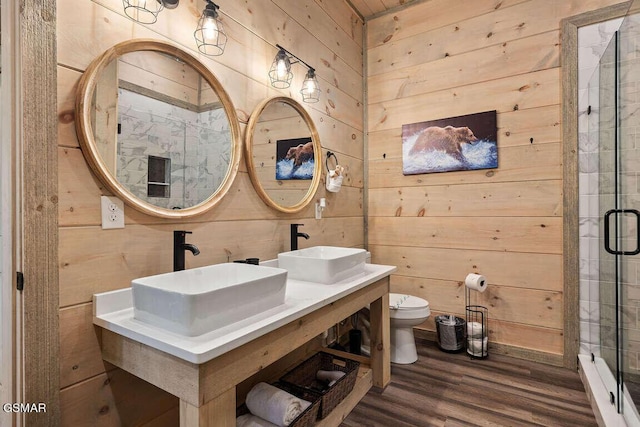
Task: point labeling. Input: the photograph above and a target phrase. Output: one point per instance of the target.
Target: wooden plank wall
(93, 260)
(444, 58)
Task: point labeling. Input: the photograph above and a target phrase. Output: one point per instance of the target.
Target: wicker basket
(303, 376)
(307, 418)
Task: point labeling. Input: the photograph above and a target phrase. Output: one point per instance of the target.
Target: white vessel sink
(323, 264)
(199, 300)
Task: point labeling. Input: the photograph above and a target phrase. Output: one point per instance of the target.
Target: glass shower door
(627, 246)
(603, 136)
(619, 204)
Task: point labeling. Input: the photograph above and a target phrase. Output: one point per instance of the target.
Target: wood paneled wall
(444, 58)
(93, 260)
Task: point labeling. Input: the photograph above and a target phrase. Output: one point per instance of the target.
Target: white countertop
(114, 311)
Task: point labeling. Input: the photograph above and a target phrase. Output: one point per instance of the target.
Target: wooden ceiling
(368, 8)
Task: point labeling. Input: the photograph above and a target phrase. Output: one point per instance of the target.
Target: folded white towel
(329, 376)
(274, 405)
(249, 420)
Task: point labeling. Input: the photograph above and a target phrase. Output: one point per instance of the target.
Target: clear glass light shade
(209, 34)
(143, 11)
(310, 90)
(280, 73)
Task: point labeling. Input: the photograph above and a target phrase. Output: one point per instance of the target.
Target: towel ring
(329, 154)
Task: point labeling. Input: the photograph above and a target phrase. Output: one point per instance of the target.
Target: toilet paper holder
(477, 317)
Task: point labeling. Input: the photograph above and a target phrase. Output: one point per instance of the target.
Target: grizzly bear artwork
(447, 139)
(300, 153)
(453, 144)
(295, 158)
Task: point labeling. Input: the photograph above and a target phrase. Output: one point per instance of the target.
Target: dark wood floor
(451, 390)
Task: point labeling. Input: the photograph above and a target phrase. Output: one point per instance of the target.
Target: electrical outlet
(112, 212)
(320, 207)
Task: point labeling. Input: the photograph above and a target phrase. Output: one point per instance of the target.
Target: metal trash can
(450, 330)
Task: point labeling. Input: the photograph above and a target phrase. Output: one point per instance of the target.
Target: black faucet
(295, 234)
(179, 246)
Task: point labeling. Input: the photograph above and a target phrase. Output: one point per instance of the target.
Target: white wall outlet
(320, 207)
(112, 212)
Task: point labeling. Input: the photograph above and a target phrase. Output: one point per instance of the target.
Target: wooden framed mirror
(283, 154)
(158, 129)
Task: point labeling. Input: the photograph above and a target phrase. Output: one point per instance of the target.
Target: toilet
(405, 312)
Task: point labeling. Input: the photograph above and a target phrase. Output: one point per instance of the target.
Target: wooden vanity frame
(207, 392)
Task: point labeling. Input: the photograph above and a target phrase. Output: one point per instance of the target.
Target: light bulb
(210, 28)
(282, 70)
(310, 86)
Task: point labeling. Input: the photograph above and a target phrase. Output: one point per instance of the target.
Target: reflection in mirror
(283, 154)
(281, 131)
(160, 129)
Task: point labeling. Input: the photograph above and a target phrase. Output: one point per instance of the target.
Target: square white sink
(199, 300)
(323, 264)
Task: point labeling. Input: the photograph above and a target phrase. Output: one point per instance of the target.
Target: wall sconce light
(209, 34)
(310, 90)
(280, 75)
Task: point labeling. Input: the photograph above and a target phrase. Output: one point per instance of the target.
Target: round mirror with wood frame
(283, 154)
(135, 104)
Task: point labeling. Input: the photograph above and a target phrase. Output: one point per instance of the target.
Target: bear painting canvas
(294, 159)
(454, 144)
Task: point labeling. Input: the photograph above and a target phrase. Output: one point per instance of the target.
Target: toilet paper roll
(475, 330)
(475, 282)
(478, 346)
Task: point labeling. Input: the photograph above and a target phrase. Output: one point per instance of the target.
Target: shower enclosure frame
(569, 96)
(7, 296)
(31, 150)
(594, 383)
